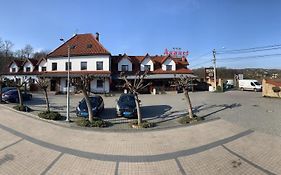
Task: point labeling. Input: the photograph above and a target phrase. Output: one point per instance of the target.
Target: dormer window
(13, 69)
(168, 67)
(27, 69)
(125, 68)
(44, 68)
(146, 67)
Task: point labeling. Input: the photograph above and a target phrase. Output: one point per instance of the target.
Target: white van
(250, 85)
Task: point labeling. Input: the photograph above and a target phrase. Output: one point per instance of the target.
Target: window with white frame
(27, 69)
(125, 68)
(99, 65)
(147, 67)
(168, 67)
(83, 65)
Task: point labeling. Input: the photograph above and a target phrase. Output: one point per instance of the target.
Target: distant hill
(249, 73)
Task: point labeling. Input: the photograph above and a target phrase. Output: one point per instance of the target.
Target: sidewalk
(30, 146)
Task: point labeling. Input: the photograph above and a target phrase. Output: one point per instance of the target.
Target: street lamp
(68, 81)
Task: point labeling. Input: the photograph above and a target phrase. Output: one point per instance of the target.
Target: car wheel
(255, 90)
(242, 89)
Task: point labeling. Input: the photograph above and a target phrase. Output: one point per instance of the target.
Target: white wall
(14, 66)
(147, 61)
(28, 64)
(43, 63)
(169, 62)
(76, 62)
(106, 86)
(125, 61)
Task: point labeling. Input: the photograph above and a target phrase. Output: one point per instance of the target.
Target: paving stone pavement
(31, 146)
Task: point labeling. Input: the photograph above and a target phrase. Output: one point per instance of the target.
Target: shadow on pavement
(6, 158)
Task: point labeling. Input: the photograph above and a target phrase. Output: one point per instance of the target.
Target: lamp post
(68, 81)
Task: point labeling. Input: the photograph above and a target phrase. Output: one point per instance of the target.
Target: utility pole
(215, 73)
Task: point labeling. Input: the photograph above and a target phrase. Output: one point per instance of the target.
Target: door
(53, 85)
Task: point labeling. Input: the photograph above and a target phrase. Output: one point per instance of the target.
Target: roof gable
(80, 45)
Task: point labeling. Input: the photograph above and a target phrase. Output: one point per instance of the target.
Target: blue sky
(149, 26)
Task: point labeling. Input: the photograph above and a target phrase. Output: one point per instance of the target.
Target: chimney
(97, 36)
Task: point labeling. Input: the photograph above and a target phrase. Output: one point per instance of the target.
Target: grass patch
(22, 108)
(97, 123)
(50, 115)
(186, 120)
(144, 124)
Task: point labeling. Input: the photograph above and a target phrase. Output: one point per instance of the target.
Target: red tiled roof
(178, 71)
(33, 61)
(274, 82)
(81, 45)
(19, 63)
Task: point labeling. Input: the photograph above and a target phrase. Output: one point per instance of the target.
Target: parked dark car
(97, 106)
(5, 89)
(13, 96)
(126, 106)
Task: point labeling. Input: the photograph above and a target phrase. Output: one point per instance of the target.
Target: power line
(250, 57)
(201, 63)
(253, 49)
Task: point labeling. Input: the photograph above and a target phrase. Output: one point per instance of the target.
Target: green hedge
(144, 124)
(98, 123)
(50, 115)
(22, 108)
(186, 119)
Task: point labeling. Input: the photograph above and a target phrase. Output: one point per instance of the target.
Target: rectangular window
(125, 68)
(54, 66)
(13, 69)
(83, 65)
(168, 67)
(44, 68)
(146, 67)
(27, 69)
(99, 83)
(99, 65)
(66, 66)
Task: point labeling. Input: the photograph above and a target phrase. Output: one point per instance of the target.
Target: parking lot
(248, 109)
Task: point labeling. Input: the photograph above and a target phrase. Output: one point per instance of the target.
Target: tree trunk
(189, 105)
(20, 97)
(0, 92)
(89, 105)
(138, 109)
(47, 100)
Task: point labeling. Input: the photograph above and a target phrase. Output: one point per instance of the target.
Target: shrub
(22, 108)
(50, 115)
(98, 123)
(219, 89)
(186, 120)
(144, 124)
(276, 89)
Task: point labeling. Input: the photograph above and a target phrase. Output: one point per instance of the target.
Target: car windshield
(127, 99)
(257, 83)
(11, 92)
(94, 102)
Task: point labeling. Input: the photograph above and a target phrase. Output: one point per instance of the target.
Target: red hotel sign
(176, 52)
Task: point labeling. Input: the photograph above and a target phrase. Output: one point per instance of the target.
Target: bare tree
(1, 85)
(135, 87)
(27, 51)
(43, 84)
(7, 47)
(83, 83)
(184, 82)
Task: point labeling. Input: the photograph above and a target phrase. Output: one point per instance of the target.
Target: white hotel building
(88, 56)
